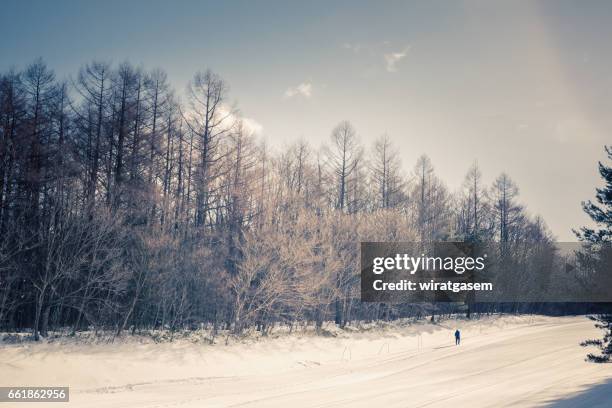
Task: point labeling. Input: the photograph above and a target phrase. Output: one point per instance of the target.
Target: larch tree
(386, 174)
(210, 120)
(473, 217)
(507, 212)
(343, 156)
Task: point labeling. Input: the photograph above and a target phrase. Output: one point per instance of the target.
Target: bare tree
(507, 212)
(210, 120)
(430, 200)
(93, 88)
(343, 156)
(386, 174)
(474, 221)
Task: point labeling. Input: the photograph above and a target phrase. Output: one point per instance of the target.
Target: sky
(523, 87)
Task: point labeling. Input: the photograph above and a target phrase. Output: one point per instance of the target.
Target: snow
(510, 361)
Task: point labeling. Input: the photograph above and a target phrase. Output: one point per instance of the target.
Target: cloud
(392, 58)
(226, 120)
(231, 117)
(252, 126)
(353, 47)
(304, 90)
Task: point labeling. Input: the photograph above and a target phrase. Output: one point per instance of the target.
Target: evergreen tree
(601, 214)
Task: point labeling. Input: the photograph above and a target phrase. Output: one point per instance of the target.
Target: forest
(126, 205)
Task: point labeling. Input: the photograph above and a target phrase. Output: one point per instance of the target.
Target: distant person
(457, 337)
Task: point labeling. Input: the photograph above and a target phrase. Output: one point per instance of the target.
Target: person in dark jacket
(457, 337)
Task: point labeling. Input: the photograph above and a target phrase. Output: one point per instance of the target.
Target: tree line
(124, 208)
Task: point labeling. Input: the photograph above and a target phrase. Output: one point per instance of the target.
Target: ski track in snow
(503, 362)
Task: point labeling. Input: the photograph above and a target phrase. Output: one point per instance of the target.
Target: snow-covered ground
(510, 361)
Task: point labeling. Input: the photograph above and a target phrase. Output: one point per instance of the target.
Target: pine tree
(601, 214)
